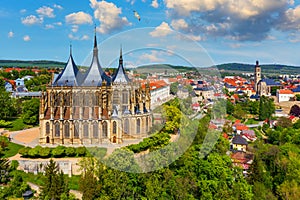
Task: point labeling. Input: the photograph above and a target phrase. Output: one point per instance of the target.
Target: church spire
(70, 48)
(120, 75)
(95, 51)
(121, 57)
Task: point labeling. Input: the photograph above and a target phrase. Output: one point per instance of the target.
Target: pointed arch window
(57, 129)
(114, 127)
(138, 126)
(104, 129)
(126, 126)
(95, 130)
(67, 130)
(86, 130)
(47, 128)
(76, 130)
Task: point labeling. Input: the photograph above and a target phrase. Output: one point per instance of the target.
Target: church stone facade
(93, 108)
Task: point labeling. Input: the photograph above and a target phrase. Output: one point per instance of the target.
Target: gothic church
(93, 108)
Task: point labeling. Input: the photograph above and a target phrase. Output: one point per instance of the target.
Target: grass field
(11, 149)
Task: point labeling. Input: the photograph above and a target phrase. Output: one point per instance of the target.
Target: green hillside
(37, 63)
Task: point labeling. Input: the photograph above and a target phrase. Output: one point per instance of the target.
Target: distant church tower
(257, 77)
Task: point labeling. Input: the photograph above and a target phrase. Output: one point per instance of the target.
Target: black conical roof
(70, 74)
(120, 75)
(95, 74)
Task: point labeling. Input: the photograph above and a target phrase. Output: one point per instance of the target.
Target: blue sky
(187, 32)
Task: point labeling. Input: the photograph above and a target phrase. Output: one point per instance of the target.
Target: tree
(229, 107)
(239, 112)
(295, 110)
(174, 88)
(7, 108)
(88, 185)
(54, 184)
(297, 97)
(266, 108)
(284, 122)
(30, 111)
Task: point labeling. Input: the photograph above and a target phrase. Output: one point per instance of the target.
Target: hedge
(57, 152)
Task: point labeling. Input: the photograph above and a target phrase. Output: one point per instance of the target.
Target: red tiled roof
(285, 91)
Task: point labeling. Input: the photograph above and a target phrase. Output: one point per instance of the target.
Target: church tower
(257, 74)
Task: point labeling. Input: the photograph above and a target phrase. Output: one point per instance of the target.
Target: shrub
(59, 151)
(45, 152)
(24, 151)
(81, 151)
(35, 152)
(14, 165)
(70, 151)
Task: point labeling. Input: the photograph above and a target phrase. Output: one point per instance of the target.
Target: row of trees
(57, 152)
(264, 108)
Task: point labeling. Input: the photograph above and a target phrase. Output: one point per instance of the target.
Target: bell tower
(257, 74)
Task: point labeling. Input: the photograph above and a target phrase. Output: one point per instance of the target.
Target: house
(9, 86)
(19, 82)
(243, 160)
(239, 143)
(196, 107)
(284, 95)
(249, 135)
(293, 118)
(238, 127)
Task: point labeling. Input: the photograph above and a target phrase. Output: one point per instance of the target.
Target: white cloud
(162, 30)
(49, 26)
(151, 57)
(58, 23)
(109, 16)
(11, 34)
(75, 28)
(31, 20)
(179, 24)
(58, 6)
(238, 20)
(73, 37)
(79, 18)
(26, 38)
(45, 12)
(154, 4)
(85, 37)
(23, 11)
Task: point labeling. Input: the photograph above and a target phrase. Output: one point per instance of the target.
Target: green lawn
(38, 179)
(252, 121)
(17, 125)
(11, 149)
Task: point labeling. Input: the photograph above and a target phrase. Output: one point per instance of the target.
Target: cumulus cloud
(49, 26)
(73, 37)
(109, 17)
(79, 18)
(10, 34)
(179, 24)
(58, 23)
(26, 38)
(162, 30)
(154, 4)
(45, 12)
(58, 6)
(23, 11)
(154, 56)
(250, 20)
(75, 28)
(31, 20)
